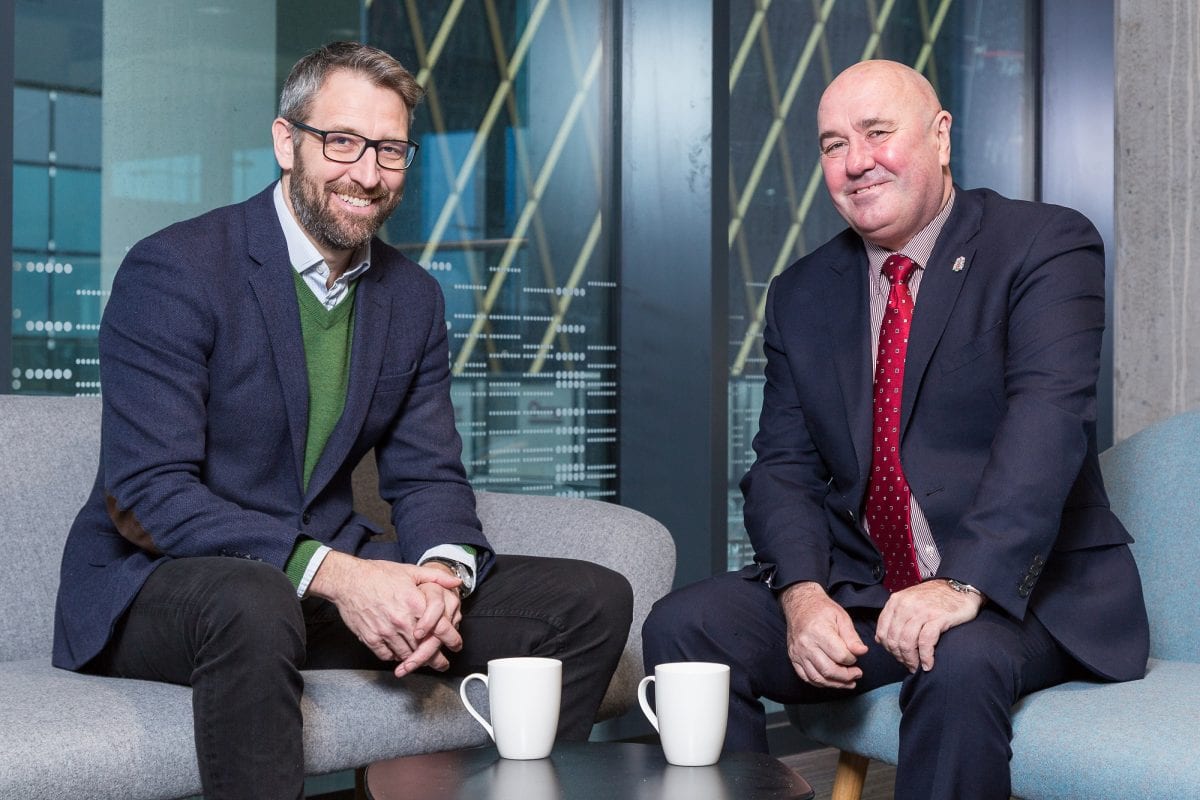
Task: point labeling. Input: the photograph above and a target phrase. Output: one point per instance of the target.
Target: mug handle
(462, 692)
(650, 715)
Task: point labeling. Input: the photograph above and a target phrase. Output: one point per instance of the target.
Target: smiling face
(341, 206)
(885, 151)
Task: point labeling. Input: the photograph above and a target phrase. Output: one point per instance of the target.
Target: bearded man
(250, 358)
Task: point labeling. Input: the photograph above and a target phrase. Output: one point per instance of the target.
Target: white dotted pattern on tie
(888, 492)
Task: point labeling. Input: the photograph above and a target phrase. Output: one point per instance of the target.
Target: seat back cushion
(50, 449)
(1153, 481)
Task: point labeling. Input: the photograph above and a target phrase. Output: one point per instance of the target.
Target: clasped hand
(824, 646)
(401, 612)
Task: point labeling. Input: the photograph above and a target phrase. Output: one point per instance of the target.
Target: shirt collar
(303, 254)
(919, 248)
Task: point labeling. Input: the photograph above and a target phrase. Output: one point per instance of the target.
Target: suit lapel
(275, 290)
(372, 318)
(941, 283)
(847, 308)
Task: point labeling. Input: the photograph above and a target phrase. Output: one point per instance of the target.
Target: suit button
(877, 572)
(306, 518)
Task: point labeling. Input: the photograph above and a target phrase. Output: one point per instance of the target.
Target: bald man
(926, 505)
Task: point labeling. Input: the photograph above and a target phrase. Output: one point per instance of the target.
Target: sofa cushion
(1079, 739)
(50, 447)
(63, 734)
(1151, 479)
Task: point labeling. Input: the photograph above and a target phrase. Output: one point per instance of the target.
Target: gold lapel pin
(959, 263)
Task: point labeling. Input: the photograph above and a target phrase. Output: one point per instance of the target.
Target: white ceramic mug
(692, 701)
(523, 696)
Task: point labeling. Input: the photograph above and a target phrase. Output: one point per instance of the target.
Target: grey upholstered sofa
(65, 735)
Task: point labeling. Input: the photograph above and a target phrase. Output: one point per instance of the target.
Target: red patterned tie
(887, 493)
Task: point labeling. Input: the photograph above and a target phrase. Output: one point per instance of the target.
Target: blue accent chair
(1082, 739)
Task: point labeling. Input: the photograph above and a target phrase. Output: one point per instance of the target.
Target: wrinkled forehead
(873, 95)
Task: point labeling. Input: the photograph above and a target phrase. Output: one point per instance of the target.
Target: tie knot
(898, 268)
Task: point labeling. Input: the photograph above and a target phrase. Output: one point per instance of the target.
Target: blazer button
(306, 518)
(877, 572)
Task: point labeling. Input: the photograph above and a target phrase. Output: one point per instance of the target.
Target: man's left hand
(438, 625)
(915, 618)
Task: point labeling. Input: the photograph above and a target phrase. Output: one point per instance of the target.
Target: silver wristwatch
(965, 588)
(460, 571)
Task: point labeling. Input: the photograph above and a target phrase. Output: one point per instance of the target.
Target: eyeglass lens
(349, 147)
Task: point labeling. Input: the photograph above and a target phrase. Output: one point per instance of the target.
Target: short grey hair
(309, 74)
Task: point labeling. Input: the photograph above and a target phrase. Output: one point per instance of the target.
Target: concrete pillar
(1157, 296)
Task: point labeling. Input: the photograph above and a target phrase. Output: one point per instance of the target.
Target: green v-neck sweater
(327, 338)
(328, 335)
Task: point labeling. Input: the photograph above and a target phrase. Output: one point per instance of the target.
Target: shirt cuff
(314, 564)
(302, 564)
(461, 554)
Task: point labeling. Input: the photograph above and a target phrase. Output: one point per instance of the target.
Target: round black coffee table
(582, 771)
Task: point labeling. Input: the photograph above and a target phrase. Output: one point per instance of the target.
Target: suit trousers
(235, 631)
(956, 718)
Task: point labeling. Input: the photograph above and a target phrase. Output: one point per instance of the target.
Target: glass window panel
(76, 210)
(31, 300)
(73, 308)
(31, 207)
(58, 44)
(505, 208)
(31, 125)
(56, 316)
(76, 129)
(782, 57)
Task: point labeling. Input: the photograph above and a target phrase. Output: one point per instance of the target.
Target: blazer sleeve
(1051, 365)
(156, 336)
(420, 458)
(786, 487)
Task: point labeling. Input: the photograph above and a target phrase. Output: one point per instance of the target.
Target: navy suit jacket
(998, 427)
(205, 414)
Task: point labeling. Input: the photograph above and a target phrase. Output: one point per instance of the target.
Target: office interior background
(604, 190)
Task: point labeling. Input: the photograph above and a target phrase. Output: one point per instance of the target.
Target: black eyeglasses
(346, 148)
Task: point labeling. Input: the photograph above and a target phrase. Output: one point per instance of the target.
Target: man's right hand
(822, 643)
(392, 608)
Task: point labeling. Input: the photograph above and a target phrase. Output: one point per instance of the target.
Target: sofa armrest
(619, 538)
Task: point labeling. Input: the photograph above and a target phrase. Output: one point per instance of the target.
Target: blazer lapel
(372, 319)
(275, 291)
(847, 308)
(940, 286)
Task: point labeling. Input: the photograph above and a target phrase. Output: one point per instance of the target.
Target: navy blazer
(205, 414)
(998, 426)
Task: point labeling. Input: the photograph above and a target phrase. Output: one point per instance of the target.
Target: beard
(325, 224)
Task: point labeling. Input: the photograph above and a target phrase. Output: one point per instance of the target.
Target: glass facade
(978, 56)
(129, 116)
(56, 199)
(508, 211)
